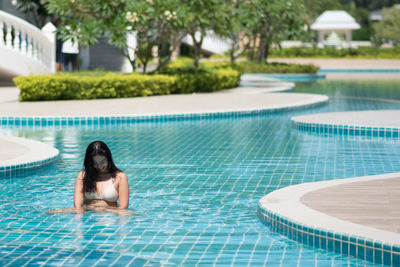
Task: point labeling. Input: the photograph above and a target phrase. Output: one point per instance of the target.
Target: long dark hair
(91, 175)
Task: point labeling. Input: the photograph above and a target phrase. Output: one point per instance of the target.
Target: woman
(101, 184)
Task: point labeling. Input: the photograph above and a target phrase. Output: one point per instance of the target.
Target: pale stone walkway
(238, 100)
(366, 207)
(366, 118)
(373, 203)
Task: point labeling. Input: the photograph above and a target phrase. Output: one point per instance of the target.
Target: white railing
(22, 38)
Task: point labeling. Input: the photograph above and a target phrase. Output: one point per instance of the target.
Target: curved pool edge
(310, 100)
(368, 123)
(283, 211)
(288, 77)
(35, 155)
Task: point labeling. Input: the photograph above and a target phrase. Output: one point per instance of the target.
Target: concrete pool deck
(354, 216)
(19, 154)
(371, 123)
(236, 99)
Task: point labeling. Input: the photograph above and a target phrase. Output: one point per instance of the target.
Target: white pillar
(1, 33)
(154, 52)
(50, 31)
(320, 36)
(85, 57)
(348, 37)
(131, 44)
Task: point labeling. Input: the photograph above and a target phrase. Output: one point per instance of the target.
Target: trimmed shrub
(331, 52)
(202, 79)
(275, 67)
(67, 86)
(206, 81)
(179, 77)
(186, 65)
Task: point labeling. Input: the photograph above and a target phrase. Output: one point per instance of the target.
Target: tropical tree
(388, 29)
(201, 17)
(235, 29)
(36, 9)
(153, 22)
(162, 24)
(271, 22)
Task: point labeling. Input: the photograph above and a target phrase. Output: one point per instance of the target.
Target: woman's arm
(78, 193)
(123, 191)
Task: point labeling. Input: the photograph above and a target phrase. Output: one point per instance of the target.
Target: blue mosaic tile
(396, 259)
(195, 181)
(387, 258)
(378, 256)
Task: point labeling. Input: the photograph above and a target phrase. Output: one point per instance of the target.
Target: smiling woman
(101, 186)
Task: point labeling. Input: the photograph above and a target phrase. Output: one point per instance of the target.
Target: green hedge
(179, 77)
(331, 52)
(68, 86)
(189, 81)
(206, 78)
(275, 67)
(185, 65)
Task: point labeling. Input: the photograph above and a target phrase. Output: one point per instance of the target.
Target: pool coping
(88, 120)
(358, 70)
(320, 124)
(286, 214)
(38, 155)
(284, 77)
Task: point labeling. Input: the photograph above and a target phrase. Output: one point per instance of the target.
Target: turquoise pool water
(195, 185)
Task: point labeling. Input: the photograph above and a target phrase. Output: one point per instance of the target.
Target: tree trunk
(261, 50)
(197, 49)
(163, 60)
(147, 57)
(266, 52)
(232, 55)
(253, 40)
(131, 61)
(176, 41)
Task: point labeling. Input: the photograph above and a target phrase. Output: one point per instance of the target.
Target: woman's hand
(66, 211)
(79, 210)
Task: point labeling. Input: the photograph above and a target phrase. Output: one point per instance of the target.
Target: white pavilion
(334, 23)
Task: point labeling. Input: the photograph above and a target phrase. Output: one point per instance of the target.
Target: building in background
(335, 28)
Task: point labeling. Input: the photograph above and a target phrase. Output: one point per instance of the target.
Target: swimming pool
(195, 185)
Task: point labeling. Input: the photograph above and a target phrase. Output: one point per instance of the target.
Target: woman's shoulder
(80, 175)
(120, 175)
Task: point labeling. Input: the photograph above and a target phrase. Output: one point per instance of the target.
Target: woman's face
(100, 163)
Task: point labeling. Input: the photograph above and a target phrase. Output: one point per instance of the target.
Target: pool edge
(314, 100)
(285, 214)
(320, 124)
(37, 156)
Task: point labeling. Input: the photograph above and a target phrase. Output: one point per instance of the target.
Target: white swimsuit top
(109, 194)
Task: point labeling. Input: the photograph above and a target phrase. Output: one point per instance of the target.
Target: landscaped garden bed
(177, 78)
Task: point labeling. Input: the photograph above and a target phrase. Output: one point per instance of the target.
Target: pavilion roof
(335, 20)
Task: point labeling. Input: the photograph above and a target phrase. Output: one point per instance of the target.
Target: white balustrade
(1, 34)
(25, 39)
